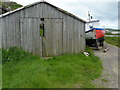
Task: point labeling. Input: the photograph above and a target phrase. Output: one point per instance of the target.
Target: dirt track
(109, 59)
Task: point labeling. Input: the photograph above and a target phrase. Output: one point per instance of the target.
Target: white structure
(115, 32)
(94, 23)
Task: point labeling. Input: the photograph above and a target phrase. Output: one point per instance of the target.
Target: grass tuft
(14, 54)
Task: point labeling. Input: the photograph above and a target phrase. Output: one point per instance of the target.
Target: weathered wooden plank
(64, 35)
(51, 37)
(76, 37)
(46, 13)
(70, 36)
(39, 10)
(1, 32)
(39, 39)
(33, 41)
(34, 36)
(23, 33)
(8, 33)
(13, 29)
(74, 33)
(40, 43)
(4, 33)
(55, 37)
(17, 37)
(38, 36)
(58, 36)
(73, 43)
(30, 29)
(60, 32)
(46, 40)
(43, 10)
(83, 36)
(27, 34)
(79, 37)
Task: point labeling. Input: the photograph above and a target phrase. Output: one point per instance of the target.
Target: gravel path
(109, 78)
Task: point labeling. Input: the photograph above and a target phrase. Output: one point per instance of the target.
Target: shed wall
(73, 30)
(1, 33)
(21, 29)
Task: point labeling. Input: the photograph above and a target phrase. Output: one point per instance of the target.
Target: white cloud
(26, 2)
(109, 24)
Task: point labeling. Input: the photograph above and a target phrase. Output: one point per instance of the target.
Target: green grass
(65, 71)
(41, 32)
(0, 3)
(13, 5)
(113, 41)
(111, 34)
(0, 74)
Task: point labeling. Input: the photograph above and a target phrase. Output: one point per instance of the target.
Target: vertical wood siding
(1, 32)
(64, 34)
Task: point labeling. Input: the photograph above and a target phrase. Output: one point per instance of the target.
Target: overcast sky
(104, 10)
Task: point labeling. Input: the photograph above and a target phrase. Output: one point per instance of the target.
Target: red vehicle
(95, 37)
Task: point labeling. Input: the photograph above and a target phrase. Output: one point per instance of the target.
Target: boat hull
(95, 37)
(99, 33)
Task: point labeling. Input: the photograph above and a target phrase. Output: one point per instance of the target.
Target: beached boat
(94, 33)
(95, 37)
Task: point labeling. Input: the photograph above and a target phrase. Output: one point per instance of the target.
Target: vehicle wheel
(97, 45)
(102, 44)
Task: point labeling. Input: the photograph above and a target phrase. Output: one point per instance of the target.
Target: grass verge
(113, 41)
(65, 71)
(111, 34)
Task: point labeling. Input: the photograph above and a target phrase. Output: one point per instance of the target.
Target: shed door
(53, 37)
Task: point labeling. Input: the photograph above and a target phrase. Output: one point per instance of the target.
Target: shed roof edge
(66, 12)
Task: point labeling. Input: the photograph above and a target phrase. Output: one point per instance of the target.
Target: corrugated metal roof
(70, 14)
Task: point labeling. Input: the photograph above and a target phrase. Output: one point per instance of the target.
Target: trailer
(95, 37)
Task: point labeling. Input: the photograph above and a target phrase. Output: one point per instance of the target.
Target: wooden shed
(43, 29)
